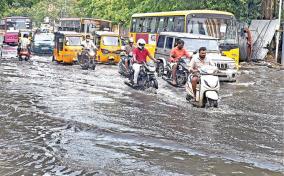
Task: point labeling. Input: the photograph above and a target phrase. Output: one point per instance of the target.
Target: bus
(84, 25)
(218, 24)
(11, 26)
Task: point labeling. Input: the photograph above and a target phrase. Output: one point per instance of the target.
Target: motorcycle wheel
(213, 103)
(20, 58)
(188, 97)
(181, 80)
(155, 84)
(84, 63)
(93, 66)
(160, 69)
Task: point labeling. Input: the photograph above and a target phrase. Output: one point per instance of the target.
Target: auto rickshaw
(109, 47)
(67, 46)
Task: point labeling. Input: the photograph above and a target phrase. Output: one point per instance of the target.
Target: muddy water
(60, 120)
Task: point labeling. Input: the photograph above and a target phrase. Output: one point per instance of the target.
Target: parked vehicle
(67, 46)
(207, 91)
(146, 78)
(192, 43)
(181, 74)
(87, 59)
(7, 51)
(42, 43)
(109, 47)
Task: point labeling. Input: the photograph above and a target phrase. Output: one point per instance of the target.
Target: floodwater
(61, 120)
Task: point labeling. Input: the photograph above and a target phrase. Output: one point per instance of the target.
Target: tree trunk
(268, 7)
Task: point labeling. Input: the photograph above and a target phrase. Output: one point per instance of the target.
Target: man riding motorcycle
(139, 57)
(195, 64)
(176, 54)
(89, 44)
(24, 43)
(129, 50)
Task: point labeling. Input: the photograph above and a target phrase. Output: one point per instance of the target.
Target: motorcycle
(146, 77)
(24, 54)
(121, 65)
(207, 90)
(181, 73)
(87, 59)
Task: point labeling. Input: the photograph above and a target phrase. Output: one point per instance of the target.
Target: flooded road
(61, 120)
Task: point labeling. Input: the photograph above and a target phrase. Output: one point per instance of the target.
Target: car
(43, 43)
(192, 42)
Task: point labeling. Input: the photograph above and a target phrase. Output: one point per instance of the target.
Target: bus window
(139, 25)
(178, 24)
(169, 42)
(145, 24)
(161, 41)
(196, 26)
(170, 24)
(153, 25)
(133, 25)
(161, 25)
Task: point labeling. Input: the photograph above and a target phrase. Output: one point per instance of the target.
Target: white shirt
(25, 42)
(197, 63)
(89, 44)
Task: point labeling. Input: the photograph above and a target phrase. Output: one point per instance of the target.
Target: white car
(192, 43)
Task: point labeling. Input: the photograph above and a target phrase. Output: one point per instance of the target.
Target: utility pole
(278, 30)
(282, 57)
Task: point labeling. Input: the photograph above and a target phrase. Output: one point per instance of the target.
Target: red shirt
(141, 55)
(178, 53)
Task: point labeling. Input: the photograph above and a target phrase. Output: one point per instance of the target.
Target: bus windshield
(222, 28)
(211, 45)
(18, 24)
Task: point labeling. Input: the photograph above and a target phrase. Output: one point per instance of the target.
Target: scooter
(181, 73)
(24, 54)
(207, 90)
(87, 59)
(121, 65)
(146, 77)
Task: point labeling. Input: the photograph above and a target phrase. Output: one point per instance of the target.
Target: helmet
(131, 40)
(141, 43)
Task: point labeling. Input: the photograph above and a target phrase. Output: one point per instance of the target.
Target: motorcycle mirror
(195, 52)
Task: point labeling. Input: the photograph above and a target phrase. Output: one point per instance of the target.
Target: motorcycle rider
(129, 50)
(24, 43)
(195, 64)
(176, 54)
(88, 43)
(139, 57)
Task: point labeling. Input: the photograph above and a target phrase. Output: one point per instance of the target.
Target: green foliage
(120, 11)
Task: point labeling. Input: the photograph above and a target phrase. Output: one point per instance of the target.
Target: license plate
(44, 48)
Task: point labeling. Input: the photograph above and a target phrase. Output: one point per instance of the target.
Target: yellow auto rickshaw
(109, 47)
(67, 45)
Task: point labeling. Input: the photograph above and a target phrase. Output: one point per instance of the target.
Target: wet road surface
(61, 120)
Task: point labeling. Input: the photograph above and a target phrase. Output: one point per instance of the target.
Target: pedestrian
(249, 43)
